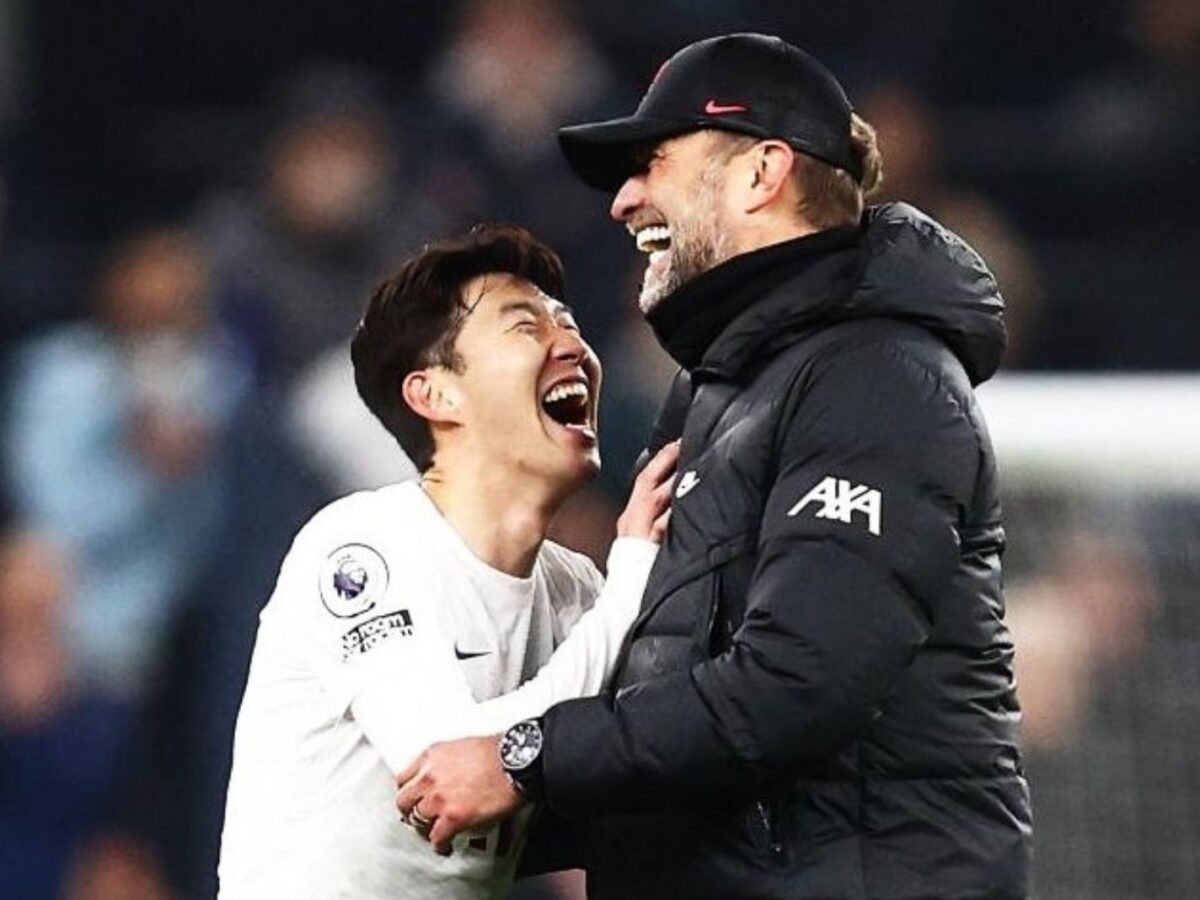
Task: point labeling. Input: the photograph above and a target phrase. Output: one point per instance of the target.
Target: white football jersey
(384, 634)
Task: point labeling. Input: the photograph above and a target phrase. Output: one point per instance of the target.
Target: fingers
(661, 473)
(426, 823)
(651, 495)
(410, 772)
(441, 836)
(662, 464)
(409, 794)
(661, 495)
(439, 831)
(421, 822)
(659, 530)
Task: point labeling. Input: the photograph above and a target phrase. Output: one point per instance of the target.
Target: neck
(770, 231)
(502, 515)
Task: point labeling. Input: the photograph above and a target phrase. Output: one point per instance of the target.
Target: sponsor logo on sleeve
(839, 500)
(365, 635)
(353, 579)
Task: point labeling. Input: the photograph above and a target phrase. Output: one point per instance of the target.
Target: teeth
(654, 237)
(563, 391)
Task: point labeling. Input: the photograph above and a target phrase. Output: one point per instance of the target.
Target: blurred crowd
(195, 201)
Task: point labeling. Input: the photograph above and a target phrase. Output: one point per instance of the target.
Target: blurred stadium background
(196, 198)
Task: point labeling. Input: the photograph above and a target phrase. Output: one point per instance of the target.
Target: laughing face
(528, 388)
(674, 207)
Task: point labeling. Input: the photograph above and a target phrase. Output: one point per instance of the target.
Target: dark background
(195, 199)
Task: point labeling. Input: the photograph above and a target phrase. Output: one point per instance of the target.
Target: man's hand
(455, 786)
(649, 506)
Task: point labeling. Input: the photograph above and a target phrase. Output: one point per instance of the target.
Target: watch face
(520, 746)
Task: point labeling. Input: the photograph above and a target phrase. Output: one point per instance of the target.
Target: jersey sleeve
(372, 618)
(364, 621)
(580, 666)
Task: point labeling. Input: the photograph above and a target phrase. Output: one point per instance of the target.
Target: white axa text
(841, 501)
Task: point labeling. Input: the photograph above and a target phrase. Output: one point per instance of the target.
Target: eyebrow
(559, 311)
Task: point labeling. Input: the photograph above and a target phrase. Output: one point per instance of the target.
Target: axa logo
(840, 500)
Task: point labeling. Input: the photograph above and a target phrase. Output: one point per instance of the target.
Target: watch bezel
(510, 749)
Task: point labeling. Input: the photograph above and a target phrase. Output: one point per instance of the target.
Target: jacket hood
(918, 270)
(898, 264)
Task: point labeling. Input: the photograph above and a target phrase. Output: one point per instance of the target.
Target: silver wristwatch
(521, 756)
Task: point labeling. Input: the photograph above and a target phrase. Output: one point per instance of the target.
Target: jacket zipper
(719, 629)
(716, 620)
(772, 838)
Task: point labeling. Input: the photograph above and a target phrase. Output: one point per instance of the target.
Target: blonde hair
(829, 197)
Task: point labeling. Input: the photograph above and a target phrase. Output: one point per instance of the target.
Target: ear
(431, 394)
(769, 176)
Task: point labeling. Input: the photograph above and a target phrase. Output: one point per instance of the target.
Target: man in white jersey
(426, 611)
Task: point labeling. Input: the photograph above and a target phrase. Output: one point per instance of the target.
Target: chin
(654, 290)
(661, 283)
(563, 472)
(647, 300)
(575, 474)
(581, 470)
(593, 466)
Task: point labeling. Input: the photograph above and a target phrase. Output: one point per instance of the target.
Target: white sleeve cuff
(631, 557)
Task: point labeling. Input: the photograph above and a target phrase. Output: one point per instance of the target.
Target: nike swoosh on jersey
(466, 654)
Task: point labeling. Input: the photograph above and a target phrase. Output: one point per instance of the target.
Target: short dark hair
(413, 319)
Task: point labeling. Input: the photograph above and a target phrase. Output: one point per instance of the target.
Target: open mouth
(653, 238)
(567, 403)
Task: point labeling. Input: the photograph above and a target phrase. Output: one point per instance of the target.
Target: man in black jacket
(817, 699)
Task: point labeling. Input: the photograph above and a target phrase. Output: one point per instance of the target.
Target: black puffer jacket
(817, 698)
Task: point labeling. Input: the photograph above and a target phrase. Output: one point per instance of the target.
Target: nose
(628, 199)
(569, 346)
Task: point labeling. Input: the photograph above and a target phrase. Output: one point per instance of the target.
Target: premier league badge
(353, 578)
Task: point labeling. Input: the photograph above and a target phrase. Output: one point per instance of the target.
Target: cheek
(728, 205)
(503, 384)
(594, 370)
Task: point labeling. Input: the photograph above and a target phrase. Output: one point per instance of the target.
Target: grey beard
(649, 298)
(693, 258)
(696, 246)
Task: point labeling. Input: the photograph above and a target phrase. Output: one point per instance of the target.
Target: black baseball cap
(754, 84)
